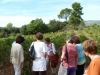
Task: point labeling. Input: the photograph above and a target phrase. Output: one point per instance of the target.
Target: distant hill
(91, 22)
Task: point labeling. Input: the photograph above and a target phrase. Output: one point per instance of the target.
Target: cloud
(17, 21)
(91, 12)
(91, 7)
(20, 12)
(5, 1)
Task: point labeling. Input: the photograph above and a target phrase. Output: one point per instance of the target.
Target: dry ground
(7, 69)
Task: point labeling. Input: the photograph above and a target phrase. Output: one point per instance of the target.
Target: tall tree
(55, 25)
(64, 13)
(36, 26)
(23, 30)
(75, 17)
(82, 23)
(9, 26)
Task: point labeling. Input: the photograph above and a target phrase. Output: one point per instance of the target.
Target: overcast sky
(20, 12)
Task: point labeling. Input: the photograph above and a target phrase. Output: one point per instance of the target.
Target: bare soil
(7, 69)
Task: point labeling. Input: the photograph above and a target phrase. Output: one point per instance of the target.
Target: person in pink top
(72, 56)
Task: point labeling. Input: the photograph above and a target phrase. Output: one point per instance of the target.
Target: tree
(75, 17)
(64, 13)
(23, 30)
(9, 26)
(36, 26)
(82, 23)
(55, 25)
(3, 32)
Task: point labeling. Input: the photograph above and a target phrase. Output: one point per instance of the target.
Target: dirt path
(76, 33)
(7, 69)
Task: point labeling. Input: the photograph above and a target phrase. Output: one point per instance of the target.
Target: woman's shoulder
(17, 44)
(79, 44)
(52, 43)
(71, 46)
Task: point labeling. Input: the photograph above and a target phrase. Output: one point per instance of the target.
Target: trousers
(17, 69)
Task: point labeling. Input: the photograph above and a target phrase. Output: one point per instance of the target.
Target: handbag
(54, 58)
(63, 70)
(32, 52)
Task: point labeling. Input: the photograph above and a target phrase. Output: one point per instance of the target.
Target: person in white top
(51, 51)
(39, 64)
(17, 55)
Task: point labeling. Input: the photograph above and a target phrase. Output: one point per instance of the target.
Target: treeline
(33, 27)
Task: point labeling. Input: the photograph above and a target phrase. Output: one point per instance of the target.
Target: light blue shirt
(81, 55)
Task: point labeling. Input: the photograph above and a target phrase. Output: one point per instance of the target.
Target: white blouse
(50, 48)
(17, 54)
(39, 64)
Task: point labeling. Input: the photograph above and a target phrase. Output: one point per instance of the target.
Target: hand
(22, 64)
(61, 59)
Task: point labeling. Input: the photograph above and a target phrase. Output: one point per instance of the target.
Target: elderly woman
(68, 58)
(81, 56)
(51, 51)
(17, 55)
(91, 50)
(39, 64)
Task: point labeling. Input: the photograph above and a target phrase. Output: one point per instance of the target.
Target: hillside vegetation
(90, 32)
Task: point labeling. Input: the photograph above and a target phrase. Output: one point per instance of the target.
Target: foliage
(9, 26)
(75, 17)
(64, 13)
(36, 26)
(54, 25)
(23, 30)
(58, 38)
(82, 23)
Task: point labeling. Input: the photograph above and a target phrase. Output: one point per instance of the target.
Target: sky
(21, 12)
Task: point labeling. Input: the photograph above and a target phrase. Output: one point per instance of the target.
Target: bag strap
(32, 48)
(66, 53)
(51, 46)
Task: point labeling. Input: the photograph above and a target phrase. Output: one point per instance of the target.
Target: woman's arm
(62, 56)
(45, 54)
(22, 64)
(94, 68)
(45, 50)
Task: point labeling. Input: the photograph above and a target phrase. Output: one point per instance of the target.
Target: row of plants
(58, 38)
(93, 31)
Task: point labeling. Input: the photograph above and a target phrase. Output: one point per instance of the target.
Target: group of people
(72, 57)
(44, 53)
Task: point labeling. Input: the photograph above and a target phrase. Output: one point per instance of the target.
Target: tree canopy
(64, 13)
(75, 17)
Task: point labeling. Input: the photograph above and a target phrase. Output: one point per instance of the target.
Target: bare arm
(62, 56)
(45, 54)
